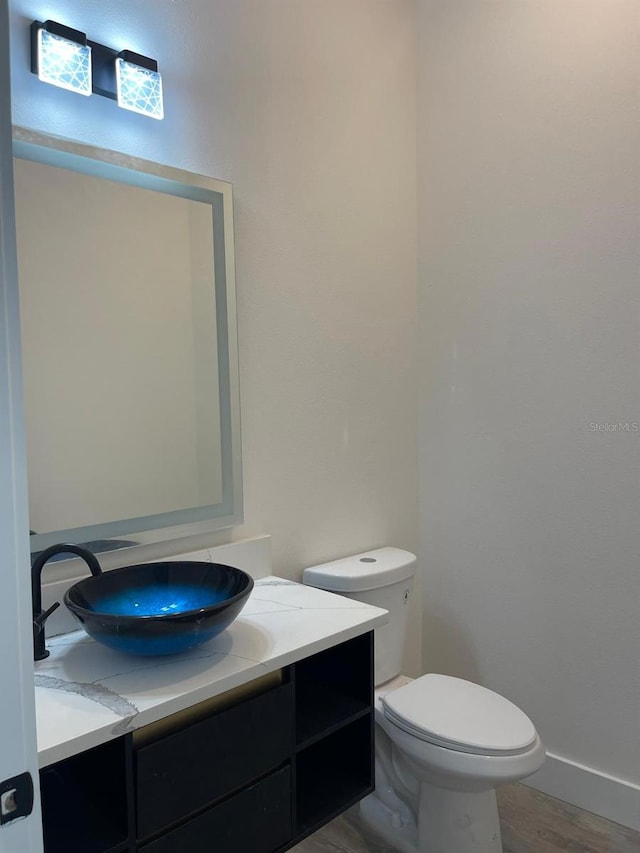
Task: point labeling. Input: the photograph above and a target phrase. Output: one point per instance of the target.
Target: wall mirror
(127, 300)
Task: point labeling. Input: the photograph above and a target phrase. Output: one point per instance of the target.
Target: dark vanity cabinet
(85, 800)
(254, 773)
(333, 754)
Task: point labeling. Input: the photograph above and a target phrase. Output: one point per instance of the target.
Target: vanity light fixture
(61, 56)
(65, 57)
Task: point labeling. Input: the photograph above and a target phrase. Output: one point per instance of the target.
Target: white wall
(309, 109)
(529, 165)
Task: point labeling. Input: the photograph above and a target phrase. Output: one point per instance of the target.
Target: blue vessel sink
(159, 608)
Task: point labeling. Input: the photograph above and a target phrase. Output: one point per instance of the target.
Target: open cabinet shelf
(84, 801)
(333, 688)
(333, 774)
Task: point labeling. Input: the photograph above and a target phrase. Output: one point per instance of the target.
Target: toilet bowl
(443, 744)
(458, 741)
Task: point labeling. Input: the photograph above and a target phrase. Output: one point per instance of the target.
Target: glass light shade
(139, 89)
(64, 63)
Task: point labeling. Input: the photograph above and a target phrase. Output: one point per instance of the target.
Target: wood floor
(531, 823)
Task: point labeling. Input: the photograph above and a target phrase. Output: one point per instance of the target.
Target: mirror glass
(127, 307)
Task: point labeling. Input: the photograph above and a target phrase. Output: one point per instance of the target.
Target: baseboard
(611, 798)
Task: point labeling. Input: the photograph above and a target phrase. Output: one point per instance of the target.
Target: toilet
(443, 744)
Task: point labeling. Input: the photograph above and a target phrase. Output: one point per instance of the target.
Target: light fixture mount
(139, 59)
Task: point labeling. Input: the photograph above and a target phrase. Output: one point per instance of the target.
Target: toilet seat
(458, 715)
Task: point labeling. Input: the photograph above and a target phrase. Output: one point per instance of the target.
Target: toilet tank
(383, 577)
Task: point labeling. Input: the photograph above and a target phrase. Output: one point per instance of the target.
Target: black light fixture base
(103, 70)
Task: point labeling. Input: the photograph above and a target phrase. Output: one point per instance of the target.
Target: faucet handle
(40, 652)
(42, 617)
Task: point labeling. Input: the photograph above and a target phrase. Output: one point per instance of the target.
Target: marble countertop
(87, 694)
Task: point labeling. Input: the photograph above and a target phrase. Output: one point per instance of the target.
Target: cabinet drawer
(257, 820)
(192, 768)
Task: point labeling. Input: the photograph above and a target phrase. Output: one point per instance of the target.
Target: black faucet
(40, 651)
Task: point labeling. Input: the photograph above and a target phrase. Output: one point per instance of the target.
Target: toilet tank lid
(369, 570)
